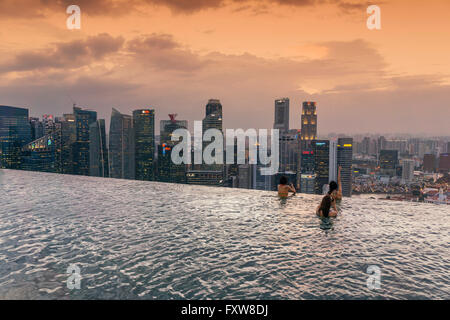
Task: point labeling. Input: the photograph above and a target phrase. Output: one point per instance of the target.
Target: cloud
(29, 9)
(162, 52)
(352, 85)
(65, 55)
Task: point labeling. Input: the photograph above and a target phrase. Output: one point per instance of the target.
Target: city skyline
(243, 53)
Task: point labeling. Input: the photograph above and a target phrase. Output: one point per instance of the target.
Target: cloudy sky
(173, 55)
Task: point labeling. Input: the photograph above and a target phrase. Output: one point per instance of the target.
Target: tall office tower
(83, 120)
(309, 125)
(43, 154)
(308, 183)
(365, 145)
(246, 176)
(382, 142)
(15, 132)
(212, 174)
(429, 163)
(167, 127)
(167, 170)
(344, 160)
(213, 118)
(388, 162)
(321, 150)
(448, 147)
(98, 152)
(37, 128)
(144, 143)
(48, 123)
(68, 140)
(444, 162)
(121, 146)
(289, 150)
(333, 160)
(407, 171)
(281, 115)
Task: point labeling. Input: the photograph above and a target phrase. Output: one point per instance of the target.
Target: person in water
(326, 208)
(335, 190)
(284, 188)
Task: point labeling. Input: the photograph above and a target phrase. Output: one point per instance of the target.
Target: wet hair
(325, 205)
(333, 186)
(283, 180)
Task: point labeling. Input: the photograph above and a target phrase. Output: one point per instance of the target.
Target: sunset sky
(173, 55)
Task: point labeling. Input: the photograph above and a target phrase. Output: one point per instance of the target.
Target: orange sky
(174, 55)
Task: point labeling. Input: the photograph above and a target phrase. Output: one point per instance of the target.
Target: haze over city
(175, 55)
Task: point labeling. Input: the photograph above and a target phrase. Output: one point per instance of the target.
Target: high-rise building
(68, 140)
(289, 154)
(48, 123)
(121, 146)
(83, 121)
(210, 174)
(98, 152)
(246, 176)
(407, 171)
(281, 115)
(37, 129)
(344, 160)
(309, 124)
(308, 183)
(167, 127)
(429, 163)
(333, 160)
(43, 154)
(321, 164)
(15, 132)
(444, 162)
(144, 141)
(388, 162)
(167, 170)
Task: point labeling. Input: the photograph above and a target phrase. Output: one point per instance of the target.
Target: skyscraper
(333, 160)
(144, 143)
(209, 174)
(121, 146)
(321, 150)
(281, 115)
(407, 171)
(98, 152)
(344, 160)
(167, 127)
(68, 140)
(15, 132)
(309, 124)
(43, 154)
(388, 162)
(167, 170)
(83, 120)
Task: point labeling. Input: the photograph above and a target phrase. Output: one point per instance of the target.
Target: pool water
(149, 240)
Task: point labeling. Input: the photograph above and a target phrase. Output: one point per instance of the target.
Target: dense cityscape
(399, 168)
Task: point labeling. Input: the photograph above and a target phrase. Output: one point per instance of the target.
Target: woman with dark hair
(325, 208)
(284, 188)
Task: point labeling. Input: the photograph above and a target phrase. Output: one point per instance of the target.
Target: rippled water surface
(148, 240)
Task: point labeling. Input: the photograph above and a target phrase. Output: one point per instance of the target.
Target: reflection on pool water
(149, 240)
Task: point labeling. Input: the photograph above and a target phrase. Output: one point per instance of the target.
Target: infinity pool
(148, 240)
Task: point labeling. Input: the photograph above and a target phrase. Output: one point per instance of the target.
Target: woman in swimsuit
(284, 188)
(326, 208)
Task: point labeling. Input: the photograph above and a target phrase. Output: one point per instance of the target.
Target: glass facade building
(144, 143)
(15, 132)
